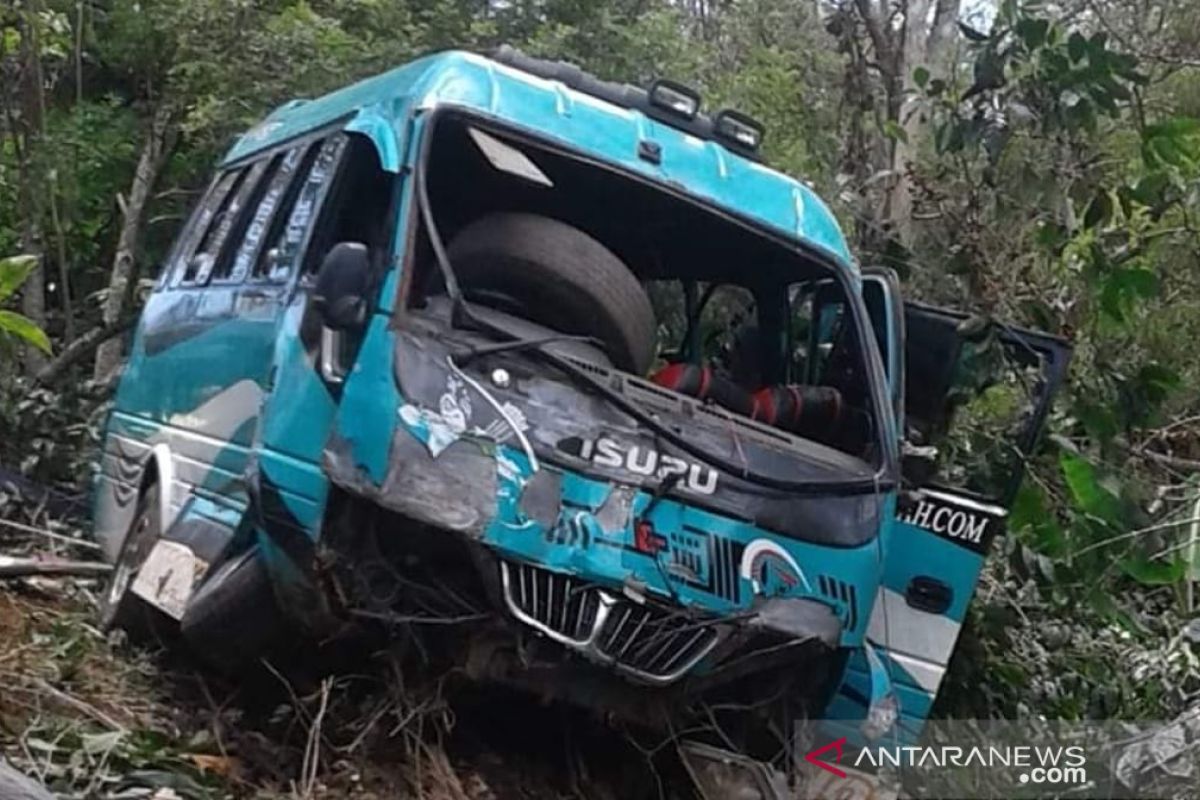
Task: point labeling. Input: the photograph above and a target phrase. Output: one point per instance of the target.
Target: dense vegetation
(1038, 162)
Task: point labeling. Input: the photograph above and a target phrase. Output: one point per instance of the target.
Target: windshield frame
(423, 125)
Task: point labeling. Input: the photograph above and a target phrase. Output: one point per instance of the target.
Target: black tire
(120, 607)
(233, 618)
(559, 277)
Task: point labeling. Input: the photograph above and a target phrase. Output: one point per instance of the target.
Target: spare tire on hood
(558, 276)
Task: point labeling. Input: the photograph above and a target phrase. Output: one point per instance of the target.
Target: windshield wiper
(469, 354)
(461, 313)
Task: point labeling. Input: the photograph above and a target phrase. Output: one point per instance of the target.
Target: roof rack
(624, 95)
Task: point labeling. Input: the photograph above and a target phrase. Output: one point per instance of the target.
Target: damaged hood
(534, 407)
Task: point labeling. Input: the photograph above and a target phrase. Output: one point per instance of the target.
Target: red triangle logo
(814, 757)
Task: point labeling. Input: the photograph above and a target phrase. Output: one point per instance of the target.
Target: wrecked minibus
(557, 376)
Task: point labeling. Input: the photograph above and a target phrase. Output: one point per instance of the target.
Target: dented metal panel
(703, 169)
(472, 457)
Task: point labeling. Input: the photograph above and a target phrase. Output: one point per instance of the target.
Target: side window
(199, 223)
(708, 323)
(211, 259)
(288, 239)
(729, 333)
(199, 260)
(977, 394)
(358, 203)
(824, 342)
(186, 234)
(229, 236)
(275, 186)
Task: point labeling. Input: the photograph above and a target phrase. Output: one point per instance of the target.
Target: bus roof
(598, 128)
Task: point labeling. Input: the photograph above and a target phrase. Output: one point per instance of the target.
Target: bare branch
(11, 567)
(82, 347)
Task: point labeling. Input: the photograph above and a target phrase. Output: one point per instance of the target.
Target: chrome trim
(331, 369)
(520, 584)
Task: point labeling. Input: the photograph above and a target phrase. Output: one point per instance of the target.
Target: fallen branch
(82, 347)
(79, 705)
(1174, 462)
(28, 567)
(58, 537)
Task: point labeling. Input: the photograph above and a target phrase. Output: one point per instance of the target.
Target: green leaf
(1173, 143)
(1089, 494)
(1121, 288)
(23, 328)
(920, 77)
(1149, 189)
(1154, 573)
(971, 33)
(1117, 90)
(1098, 419)
(1158, 380)
(13, 272)
(1099, 211)
(1142, 282)
(894, 130)
(1032, 31)
(1035, 522)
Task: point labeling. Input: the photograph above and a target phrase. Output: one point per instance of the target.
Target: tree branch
(11, 567)
(1162, 459)
(83, 347)
(879, 40)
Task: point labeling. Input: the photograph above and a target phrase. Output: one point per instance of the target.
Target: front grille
(653, 640)
(567, 607)
(653, 643)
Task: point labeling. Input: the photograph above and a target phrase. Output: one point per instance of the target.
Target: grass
(94, 716)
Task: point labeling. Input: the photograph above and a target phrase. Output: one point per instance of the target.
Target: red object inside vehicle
(793, 407)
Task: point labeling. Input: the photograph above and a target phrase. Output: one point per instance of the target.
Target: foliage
(1105, 192)
(13, 272)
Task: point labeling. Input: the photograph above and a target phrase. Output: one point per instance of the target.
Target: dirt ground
(95, 716)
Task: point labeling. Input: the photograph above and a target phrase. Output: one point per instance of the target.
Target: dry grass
(96, 717)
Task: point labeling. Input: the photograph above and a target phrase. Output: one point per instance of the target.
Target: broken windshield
(668, 294)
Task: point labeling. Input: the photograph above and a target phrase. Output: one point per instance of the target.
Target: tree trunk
(925, 39)
(28, 128)
(927, 43)
(159, 141)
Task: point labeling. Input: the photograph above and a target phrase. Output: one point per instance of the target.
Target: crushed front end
(699, 546)
(636, 577)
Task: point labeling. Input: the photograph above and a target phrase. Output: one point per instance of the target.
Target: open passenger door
(973, 396)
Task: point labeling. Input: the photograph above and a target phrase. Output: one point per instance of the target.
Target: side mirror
(343, 283)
